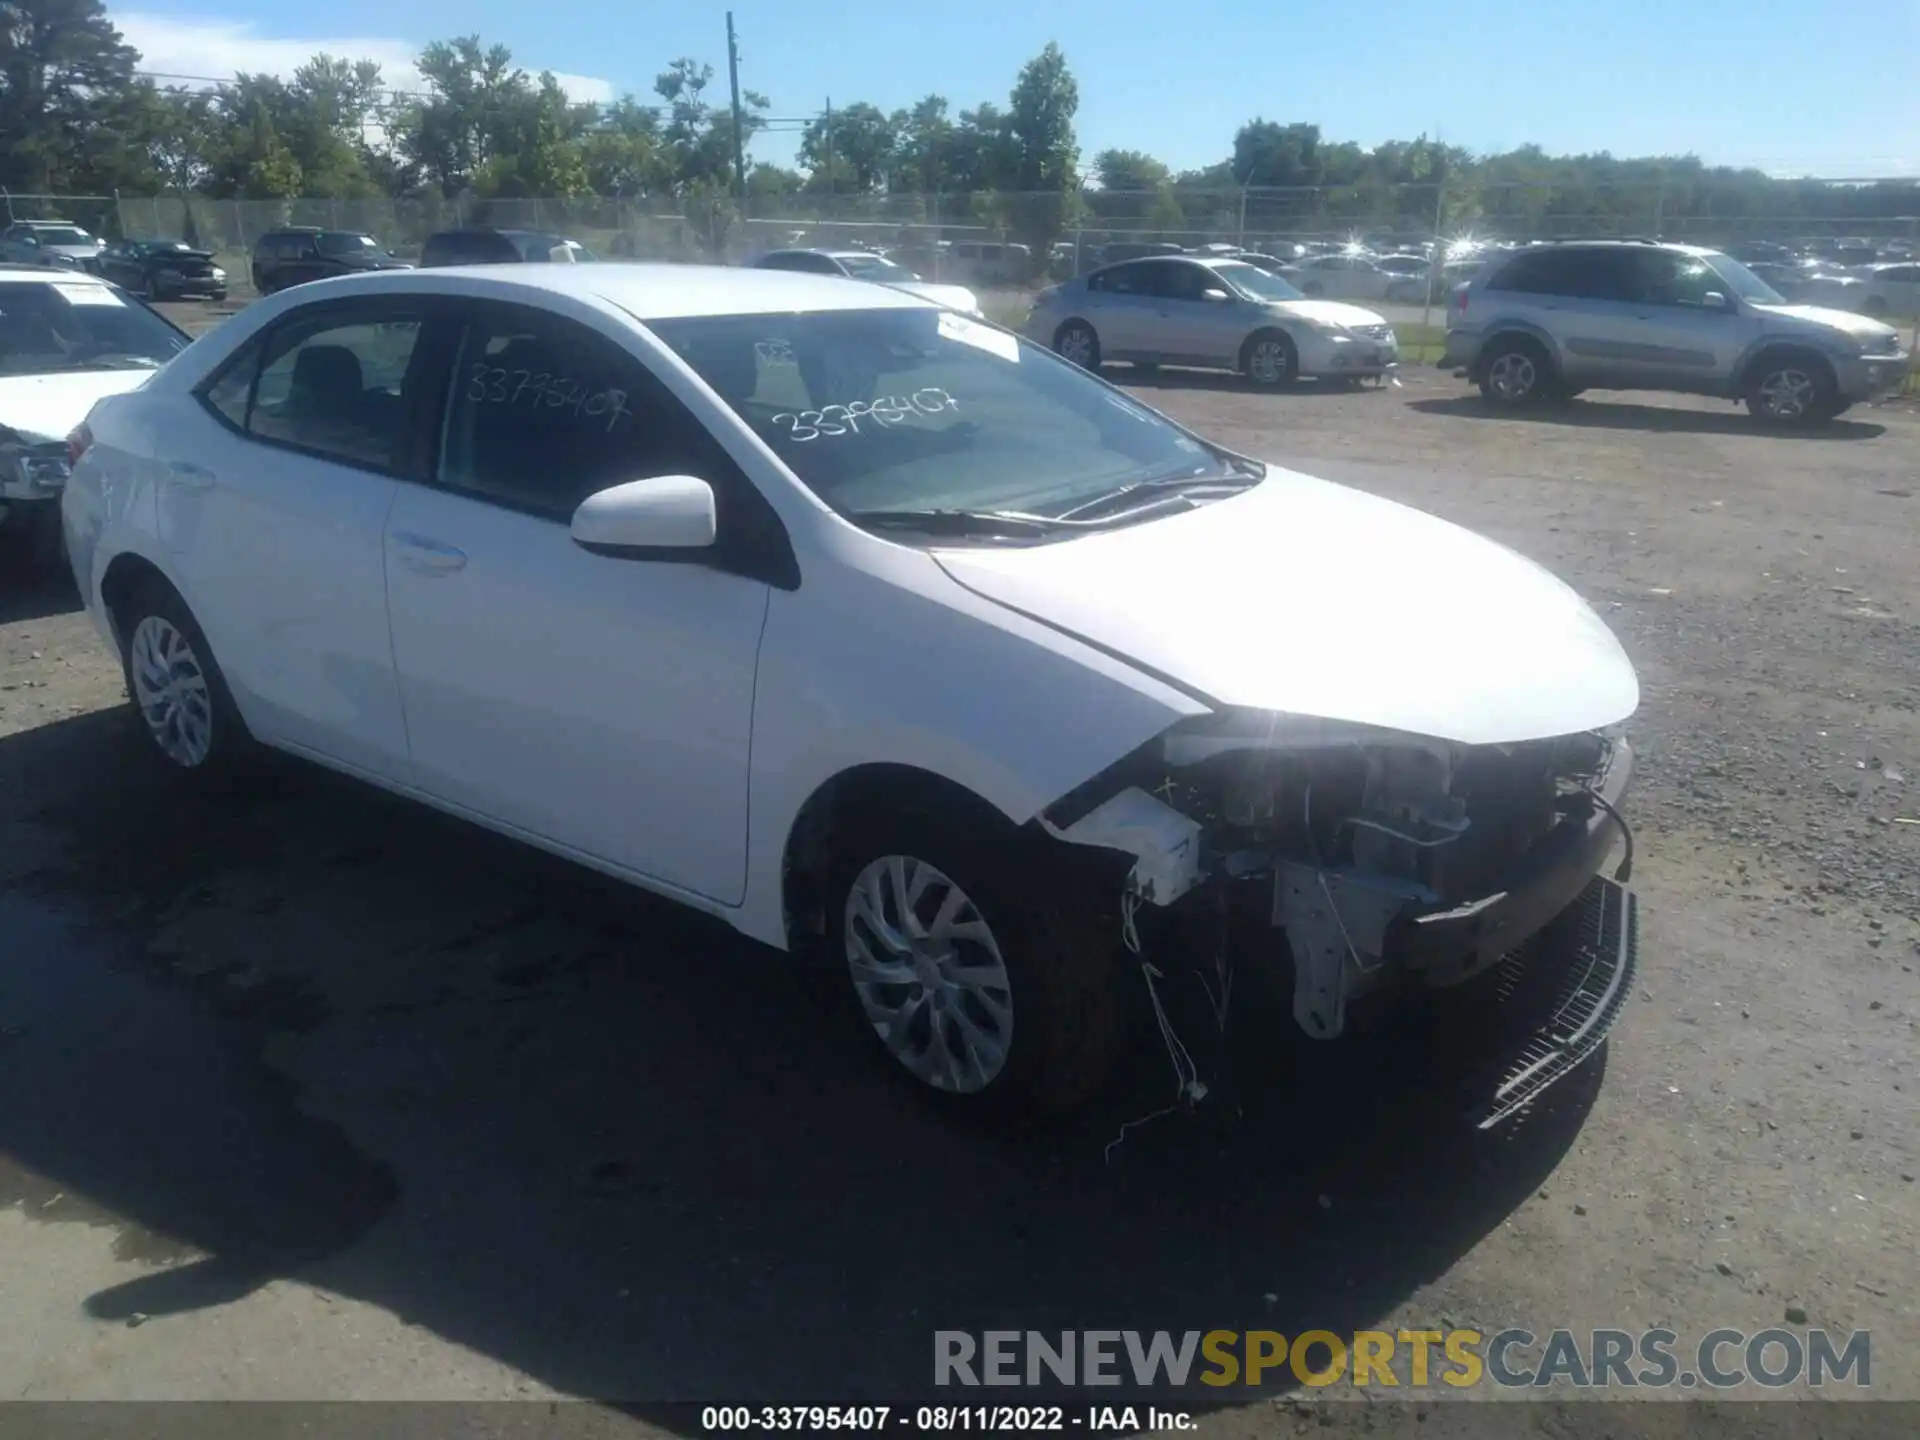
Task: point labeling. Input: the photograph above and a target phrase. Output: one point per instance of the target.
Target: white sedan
(871, 629)
(1345, 277)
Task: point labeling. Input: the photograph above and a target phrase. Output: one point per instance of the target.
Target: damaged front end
(1380, 861)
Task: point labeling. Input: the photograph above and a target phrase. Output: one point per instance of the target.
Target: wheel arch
(1500, 330)
(1777, 347)
(124, 577)
(869, 788)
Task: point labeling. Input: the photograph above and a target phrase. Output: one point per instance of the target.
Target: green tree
(923, 145)
(1043, 149)
(65, 76)
(699, 135)
(860, 140)
(1129, 170)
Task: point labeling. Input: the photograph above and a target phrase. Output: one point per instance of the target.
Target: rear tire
(998, 998)
(1791, 388)
(1515, 373)
(192, 727)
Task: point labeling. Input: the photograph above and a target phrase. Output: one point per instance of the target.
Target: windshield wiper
(1149, 492)
(958, 522)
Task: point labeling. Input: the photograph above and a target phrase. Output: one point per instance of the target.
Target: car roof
(61, 224)
(644, 291)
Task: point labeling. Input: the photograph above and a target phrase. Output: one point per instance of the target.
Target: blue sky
(1785, 85)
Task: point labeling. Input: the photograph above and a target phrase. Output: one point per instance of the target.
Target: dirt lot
(319, 1095)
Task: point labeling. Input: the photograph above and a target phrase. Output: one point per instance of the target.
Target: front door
(601, 704)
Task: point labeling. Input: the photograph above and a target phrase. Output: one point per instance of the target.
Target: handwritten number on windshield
(882, 411)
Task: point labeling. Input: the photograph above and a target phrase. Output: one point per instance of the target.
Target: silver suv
(1552, 320)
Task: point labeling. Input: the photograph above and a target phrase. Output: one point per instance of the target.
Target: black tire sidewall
(232, 746)
(1068, 1022)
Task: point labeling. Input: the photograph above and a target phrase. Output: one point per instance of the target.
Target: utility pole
(831, 186)
(739, 129)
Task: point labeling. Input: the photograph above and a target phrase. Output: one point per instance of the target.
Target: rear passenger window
(232, 387)
(332, 386)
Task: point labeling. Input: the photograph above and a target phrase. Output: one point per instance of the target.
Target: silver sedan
(1218, 314)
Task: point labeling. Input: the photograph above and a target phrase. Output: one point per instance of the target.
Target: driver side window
(543, 412)
(1671, 279)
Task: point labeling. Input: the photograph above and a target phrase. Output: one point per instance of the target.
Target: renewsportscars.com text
(1413, 1359)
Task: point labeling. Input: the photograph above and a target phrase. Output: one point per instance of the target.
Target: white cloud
(214, 50)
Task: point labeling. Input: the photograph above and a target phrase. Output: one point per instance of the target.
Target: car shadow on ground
(316, 1031)
(1618, 415)
(1226, 380)
(30, 593)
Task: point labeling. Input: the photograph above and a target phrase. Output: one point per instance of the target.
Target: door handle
(429, 557)
(190, 476)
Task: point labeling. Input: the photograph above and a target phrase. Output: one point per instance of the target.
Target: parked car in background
(989, 262)
(1633, 315)
(1889, 290)
(1410, 276)
(1342, 277)
(66, 340)
(162, 269)
(865, 265)
(486, 245)
(296, 254)
(880, 635)
(1115, 251)
(59, 244)
(1221, 314)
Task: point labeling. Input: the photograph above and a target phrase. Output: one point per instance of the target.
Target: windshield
(60, 235)
(875, 267)
(340, 242)
(1258, 284)
(921, 409)
(79, 326)
(1744, 283)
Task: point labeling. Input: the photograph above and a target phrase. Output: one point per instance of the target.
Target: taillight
(78, 439)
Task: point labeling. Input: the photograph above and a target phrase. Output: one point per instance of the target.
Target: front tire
(1075, 342)
(192, 726)
(1270, 359)
(1790, 389)
(977, 975)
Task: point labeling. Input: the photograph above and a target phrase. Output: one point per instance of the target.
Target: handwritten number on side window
(883, 411)
(488, 385)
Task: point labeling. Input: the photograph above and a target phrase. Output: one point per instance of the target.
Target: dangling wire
(1188, 1086)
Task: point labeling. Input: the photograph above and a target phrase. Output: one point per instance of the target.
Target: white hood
(46, 407)
(1329, 312)
(1306, 597)
(954, 297)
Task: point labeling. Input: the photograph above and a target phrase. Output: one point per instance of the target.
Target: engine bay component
(1165, 844)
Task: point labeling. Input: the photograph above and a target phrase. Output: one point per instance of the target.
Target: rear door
(1584, 299)
(1186, 326)
(272, 496)
(1122, 309)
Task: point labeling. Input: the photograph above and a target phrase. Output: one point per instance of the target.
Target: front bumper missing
(1350, 934)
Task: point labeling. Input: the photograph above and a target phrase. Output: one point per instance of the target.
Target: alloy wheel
(1076, 345)
(171, 689)
(929, 974)
(1268, 362)
(1512, 376)
(1786, 393)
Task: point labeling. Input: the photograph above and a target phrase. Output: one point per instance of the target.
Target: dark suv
(484, 245)
(295, 254)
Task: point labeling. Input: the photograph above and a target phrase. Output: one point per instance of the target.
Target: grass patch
(1421, 344)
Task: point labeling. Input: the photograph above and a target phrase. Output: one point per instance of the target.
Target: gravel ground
(318, 1095)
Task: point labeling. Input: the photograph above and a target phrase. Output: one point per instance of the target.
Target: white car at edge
(866, 626)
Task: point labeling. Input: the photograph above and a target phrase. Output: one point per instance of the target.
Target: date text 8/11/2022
(941, 1419)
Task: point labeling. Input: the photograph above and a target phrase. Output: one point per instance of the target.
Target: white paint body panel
(48, 406)
(1309, 598)
(667, 722)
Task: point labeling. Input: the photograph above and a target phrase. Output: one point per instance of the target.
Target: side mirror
(1215, 295)
(1714, 300)
(669, 512)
